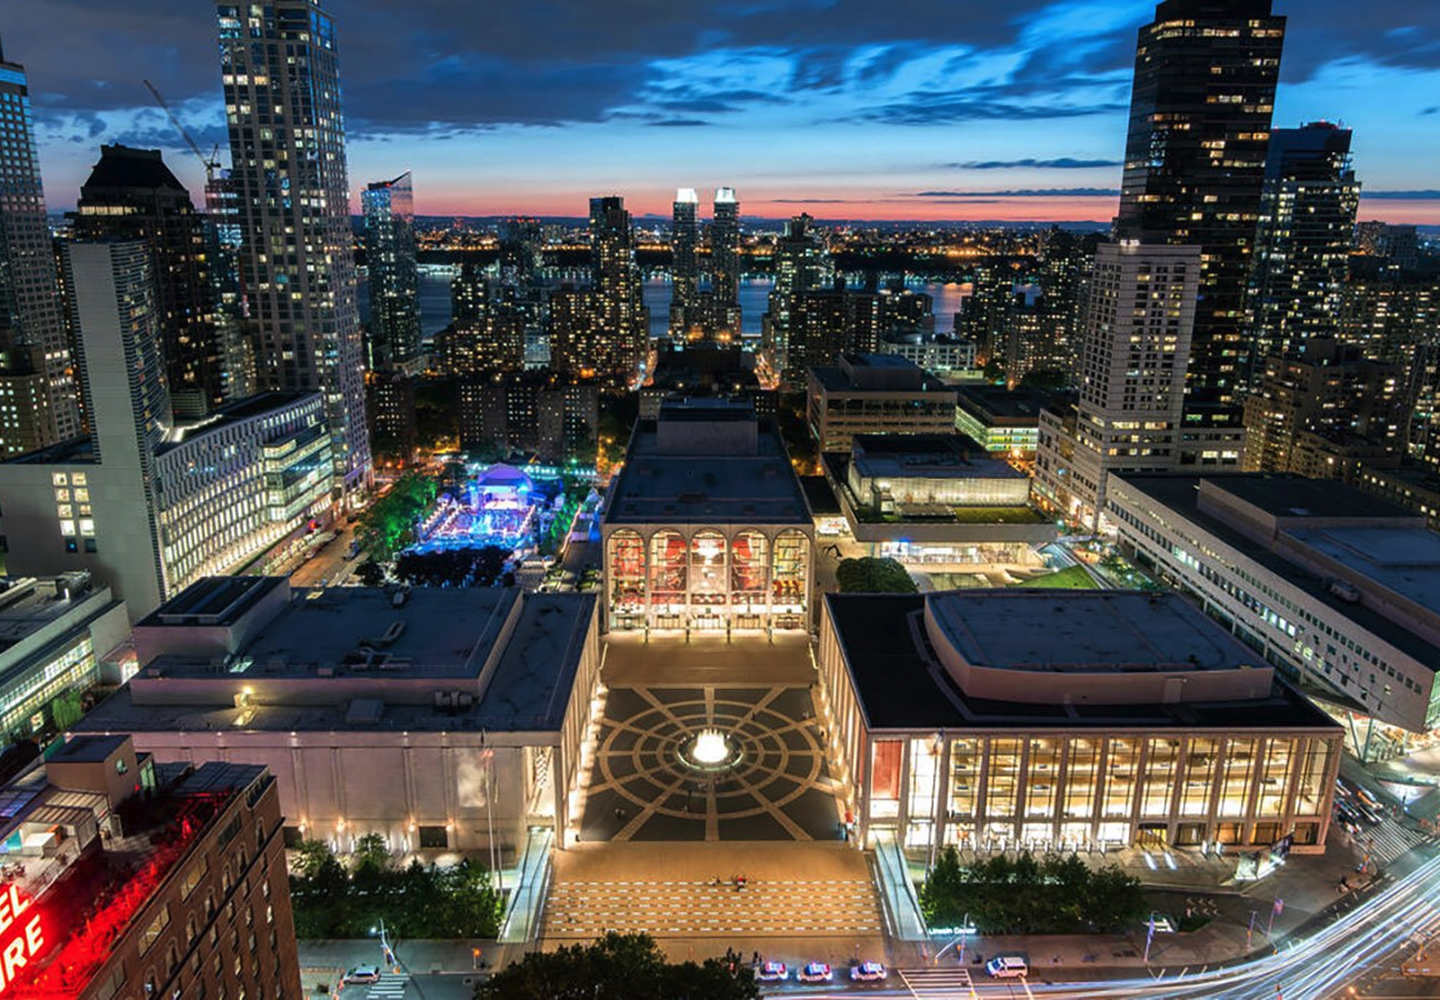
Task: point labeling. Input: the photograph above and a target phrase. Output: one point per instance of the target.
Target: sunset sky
(904, 109)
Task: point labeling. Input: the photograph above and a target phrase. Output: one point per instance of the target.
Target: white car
(868, 972)
(772, 972)
(362, 974)
(815, 972)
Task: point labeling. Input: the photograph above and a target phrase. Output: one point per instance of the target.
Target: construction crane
(210, 163)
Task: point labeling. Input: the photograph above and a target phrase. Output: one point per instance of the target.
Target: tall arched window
(709, 575)
(749, 567)
(668, 564)
(791, 571)
(626, 572)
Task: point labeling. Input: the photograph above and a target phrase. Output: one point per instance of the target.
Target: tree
(869, 575)
(66, 709)
(388, 524)
(1051, 895)
(372, 855)
(1051, 379)
(994, 370)
(370, 573)
(616, 967)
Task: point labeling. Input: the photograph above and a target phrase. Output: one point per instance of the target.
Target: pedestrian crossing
(949, 983)
(1389, 841)
(392, 986)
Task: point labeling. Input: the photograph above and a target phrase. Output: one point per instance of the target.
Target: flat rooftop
(437, 632)
(926, 456)
(997, 402)
(902, 686)
(29, 604)
(212, 600)
(233, 413)
(900, 378)
(1283, 496)
(1403, 560)
(1182, 495)
(528, 690)
(1085, 631)
(658, 488)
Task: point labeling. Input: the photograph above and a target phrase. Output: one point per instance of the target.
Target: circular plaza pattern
(648, 782)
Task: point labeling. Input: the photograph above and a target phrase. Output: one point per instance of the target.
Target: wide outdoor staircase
(678, 908)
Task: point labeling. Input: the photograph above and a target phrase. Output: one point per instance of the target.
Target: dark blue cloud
(678, 123)
(1428, 194)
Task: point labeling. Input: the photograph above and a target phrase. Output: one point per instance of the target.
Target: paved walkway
(778, 787)
(800, 901)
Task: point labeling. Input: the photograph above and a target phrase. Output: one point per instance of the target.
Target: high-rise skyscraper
(131, 194)
(223, 241)
(684, 269)
(725, 248)
(1302, 244)
(1137, 338)
(800, 265)
(1200, 110)
(394, 344)
(616, 345)
(521, 242)
(38, 400)
(287, 152)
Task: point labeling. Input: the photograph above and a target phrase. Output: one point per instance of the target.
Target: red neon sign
(21, 935)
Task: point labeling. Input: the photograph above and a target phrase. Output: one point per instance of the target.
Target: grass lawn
(1069, 578)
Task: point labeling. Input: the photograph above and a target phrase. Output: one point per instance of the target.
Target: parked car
(772, 972)
(362, 974)
(815, 972)
(868, 972)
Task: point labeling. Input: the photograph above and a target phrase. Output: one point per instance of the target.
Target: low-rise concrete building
(706, 528)
(875, 394)
(438, 718)
(1060, 720)
(936, 499)
(1339, 588)
(54, 633)
(1002, 420)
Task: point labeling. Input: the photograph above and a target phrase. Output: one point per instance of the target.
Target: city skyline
(1009, 117)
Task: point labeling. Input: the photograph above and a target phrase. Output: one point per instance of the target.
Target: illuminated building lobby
(1066, 720)
(705, 528)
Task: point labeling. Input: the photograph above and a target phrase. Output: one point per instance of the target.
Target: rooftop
(452, 640)
(127, 167)
(1283, 496)
(1288, 497)
(234, 413)
(28, 604)
(752, 488)
(877, 373)
(1103, 631)
(998, 402)
(926, 456)
(437, 632)
(92, 895)
(902, 685)
(212, 600)
(1403, 560)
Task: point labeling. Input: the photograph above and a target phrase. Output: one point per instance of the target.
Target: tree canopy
(388, 524)
(1052, 895)
(418, 901)
(617, 967)
(869, 575)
